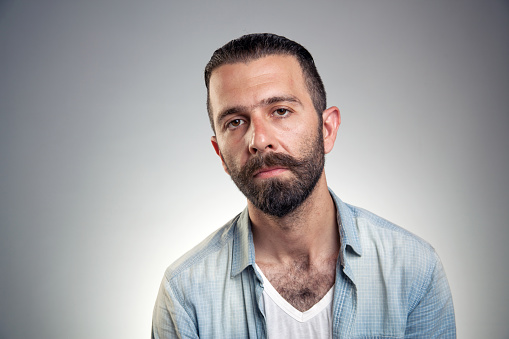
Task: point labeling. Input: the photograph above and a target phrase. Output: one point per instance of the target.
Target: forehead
(249, 83)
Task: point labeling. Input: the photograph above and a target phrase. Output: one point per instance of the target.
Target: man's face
(267, 131)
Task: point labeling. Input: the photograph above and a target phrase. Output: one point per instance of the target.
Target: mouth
(268, 172)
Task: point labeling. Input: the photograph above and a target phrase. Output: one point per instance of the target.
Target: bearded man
(297, 262)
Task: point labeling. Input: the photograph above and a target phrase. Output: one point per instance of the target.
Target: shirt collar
(347, 227)
(243, 253)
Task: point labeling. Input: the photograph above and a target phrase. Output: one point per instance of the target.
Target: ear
(213, 140)
(331, 121)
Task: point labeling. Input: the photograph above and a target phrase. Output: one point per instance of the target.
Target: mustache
(270, 160)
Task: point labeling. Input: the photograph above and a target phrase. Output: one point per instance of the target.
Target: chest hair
(301, 283)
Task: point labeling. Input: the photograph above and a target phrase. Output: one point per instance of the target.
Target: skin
(264, 106)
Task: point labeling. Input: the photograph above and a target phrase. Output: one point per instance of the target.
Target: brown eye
(281, 112)
(235, 123)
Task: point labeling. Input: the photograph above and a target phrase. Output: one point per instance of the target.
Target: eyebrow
(264, 102)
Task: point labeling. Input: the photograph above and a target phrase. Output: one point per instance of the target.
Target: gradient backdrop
(107, 174)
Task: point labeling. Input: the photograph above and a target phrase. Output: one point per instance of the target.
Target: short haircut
(255, 46)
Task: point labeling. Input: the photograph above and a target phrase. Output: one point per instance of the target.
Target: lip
(268, 172)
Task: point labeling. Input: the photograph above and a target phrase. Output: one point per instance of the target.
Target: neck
(311, 231)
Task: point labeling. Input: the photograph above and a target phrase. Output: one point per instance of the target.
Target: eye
(281, 112)
(235, 123)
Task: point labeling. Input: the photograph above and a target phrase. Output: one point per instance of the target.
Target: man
(297, 262)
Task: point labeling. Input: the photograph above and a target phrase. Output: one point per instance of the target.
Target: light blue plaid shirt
(389, 284)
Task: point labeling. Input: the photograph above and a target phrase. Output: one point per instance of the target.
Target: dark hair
(254, 46)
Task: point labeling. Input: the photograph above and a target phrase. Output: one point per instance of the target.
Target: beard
(279, 197)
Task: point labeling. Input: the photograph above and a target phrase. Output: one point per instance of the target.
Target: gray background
(107, 174)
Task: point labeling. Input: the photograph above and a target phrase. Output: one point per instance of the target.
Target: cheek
(230, 158)
(298, 140)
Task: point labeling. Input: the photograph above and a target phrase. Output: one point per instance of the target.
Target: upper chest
(302, 284)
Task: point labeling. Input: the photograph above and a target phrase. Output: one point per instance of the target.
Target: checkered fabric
(389, 284)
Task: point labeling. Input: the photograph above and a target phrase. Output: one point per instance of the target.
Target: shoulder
(396, 273)
(193, 286)
(391, 252)
(209, 254)
(374, 230)
(407, 264)
(367, 234)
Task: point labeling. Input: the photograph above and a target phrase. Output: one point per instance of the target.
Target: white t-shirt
(285, 321)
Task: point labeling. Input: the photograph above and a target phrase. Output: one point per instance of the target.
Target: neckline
(288, 308)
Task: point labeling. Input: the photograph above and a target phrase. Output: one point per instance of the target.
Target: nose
(261, 137)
